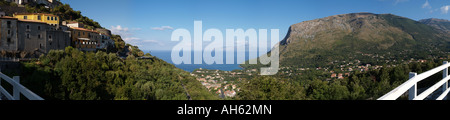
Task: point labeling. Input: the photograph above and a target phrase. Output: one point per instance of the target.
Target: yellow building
(47, 18)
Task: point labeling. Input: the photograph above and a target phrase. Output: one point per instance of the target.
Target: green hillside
(74, 75)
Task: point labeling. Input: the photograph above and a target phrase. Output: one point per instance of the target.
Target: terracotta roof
(7, 17)
(72, 22)
(82, 29)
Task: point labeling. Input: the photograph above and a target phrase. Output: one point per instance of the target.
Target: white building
(18, 1)
(73, 24)
(106, 40)
(45, 2)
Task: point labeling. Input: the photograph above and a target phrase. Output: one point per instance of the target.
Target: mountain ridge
(441, 24)
(344, 37)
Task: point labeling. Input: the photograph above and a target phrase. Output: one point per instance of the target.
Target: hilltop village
(29, 35)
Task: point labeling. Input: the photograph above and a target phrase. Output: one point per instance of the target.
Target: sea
(166, 56)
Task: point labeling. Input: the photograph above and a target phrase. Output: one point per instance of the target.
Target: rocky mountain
(440, 24)
(370, 38)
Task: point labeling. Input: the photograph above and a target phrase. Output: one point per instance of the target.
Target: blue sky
(149, 23)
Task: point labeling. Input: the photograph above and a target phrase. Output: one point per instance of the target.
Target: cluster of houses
(218, 81)
(33, 34)
(48, 3)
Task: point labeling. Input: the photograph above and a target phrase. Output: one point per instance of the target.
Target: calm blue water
(166, 56)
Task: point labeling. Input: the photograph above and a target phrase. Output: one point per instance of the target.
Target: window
(39, 27)
(78, 33)
(56, 18)
(83, 33)
(39, 36)
(40, 45)
(8, 24)
(49, 37)
(52, 18)
(48, 18)
(28, 27)
(28, 36)
(9, 32)
(8, 40)
(25, 17)
(39, 17)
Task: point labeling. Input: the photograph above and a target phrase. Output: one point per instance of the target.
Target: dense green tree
(71, 74)
(269, 88)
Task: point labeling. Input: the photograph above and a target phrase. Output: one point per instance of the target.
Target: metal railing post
(413, 89)
(16, 91)
(1, 85)
(444, 75)
(0, 82)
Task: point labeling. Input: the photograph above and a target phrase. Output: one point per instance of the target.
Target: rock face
(440, 24)
(366, 26)
(317, 42)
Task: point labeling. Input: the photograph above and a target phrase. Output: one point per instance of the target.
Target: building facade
(38, 38)
(84, 39)
(105, 38)
(8, 34)
(57, 40)
(33, 38)
(47, 18)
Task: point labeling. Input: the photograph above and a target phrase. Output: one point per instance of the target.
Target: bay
(166, 56)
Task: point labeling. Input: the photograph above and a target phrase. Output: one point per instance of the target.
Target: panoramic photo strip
(227, 58)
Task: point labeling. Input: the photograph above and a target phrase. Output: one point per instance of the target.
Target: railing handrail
(400, 90)
(19, 87)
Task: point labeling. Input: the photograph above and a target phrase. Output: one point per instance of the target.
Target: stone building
(31, 38)
(8, 34)
(38, 38)
(57, 40)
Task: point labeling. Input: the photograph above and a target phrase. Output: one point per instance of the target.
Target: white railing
(411, 85)
(17, 89)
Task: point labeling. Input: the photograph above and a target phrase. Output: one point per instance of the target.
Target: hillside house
(72, 24)
(84, 39)
(48, 3)
(46, 18)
